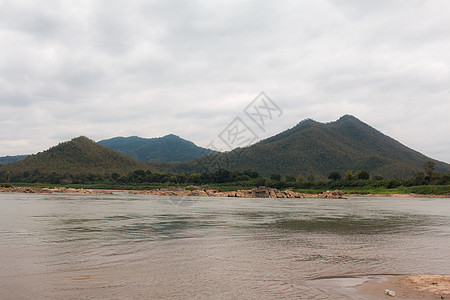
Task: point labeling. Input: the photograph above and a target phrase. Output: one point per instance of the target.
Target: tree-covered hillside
(78, 156)
(169, 148)
(316, 149)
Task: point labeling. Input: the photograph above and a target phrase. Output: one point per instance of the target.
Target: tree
(138, 176)
(36, 173)
(195, 178)
(334, 176)
(290, 178)
(429, 168)
(251, 174)
(349, 175)
(182, 178)
(362, 175)
(275, 177)
(222, 175)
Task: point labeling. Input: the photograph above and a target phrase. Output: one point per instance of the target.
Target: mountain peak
(171, 136)
(348, 118)
(83, 139)
(306, 121)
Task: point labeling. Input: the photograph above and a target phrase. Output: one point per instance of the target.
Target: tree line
(358, 178)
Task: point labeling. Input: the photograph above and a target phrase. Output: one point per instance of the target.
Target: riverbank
(206, 191)
(425, 286)
(394, 195)
(191, 191)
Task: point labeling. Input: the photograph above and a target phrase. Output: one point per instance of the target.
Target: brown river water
(65, 246)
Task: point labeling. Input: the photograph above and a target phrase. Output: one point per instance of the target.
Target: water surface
(127, 246)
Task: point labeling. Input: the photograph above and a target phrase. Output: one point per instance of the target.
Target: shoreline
(206, 191)
(423, 286)
(411, 195)
(202, 191)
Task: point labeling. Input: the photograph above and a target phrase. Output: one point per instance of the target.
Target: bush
(334, 176)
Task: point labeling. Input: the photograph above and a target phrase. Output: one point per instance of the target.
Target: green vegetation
(226, 180)
(313, 150)
(4, 160)
(309, 157)
(429, 167)
(78, 156)
(334, 176)
(165, 149)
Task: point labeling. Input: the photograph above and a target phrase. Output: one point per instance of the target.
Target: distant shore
(201, 191)
(425, 286)
(198, 191)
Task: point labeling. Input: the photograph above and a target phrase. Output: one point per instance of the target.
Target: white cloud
(149, 68)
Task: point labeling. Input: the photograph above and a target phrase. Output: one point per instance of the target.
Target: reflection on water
(356, 225)
(75, 246)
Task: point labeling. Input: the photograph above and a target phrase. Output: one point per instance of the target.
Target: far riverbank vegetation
(355, 182)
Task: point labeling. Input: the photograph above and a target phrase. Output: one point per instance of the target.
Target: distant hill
(318, 149)
(169, 148)
(4, 160)
(78, 156)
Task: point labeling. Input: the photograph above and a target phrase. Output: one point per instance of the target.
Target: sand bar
(412, 287)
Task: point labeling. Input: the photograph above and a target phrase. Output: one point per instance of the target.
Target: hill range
(308, 148)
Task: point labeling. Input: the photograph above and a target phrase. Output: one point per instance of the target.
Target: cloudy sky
(150, 68)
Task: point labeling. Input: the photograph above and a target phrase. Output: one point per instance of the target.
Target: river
(85, 246)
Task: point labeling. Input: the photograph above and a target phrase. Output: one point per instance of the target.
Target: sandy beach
(412, 287)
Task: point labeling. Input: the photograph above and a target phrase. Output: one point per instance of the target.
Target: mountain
(4, 160)
(169, 148)
(309, 148)
(318, 149)
(78, 156)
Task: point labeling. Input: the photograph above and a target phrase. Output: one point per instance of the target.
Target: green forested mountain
(313, 148)
(78, 156)
(309, 149)
(169, 148)
(4, 160)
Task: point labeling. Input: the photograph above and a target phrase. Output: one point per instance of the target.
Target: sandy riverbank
(260, 192)
(425, 286)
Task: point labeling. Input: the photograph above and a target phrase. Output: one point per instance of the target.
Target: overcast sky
(150, 68)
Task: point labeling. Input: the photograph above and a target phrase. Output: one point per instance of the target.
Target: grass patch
(428, 189)
(422, 190)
